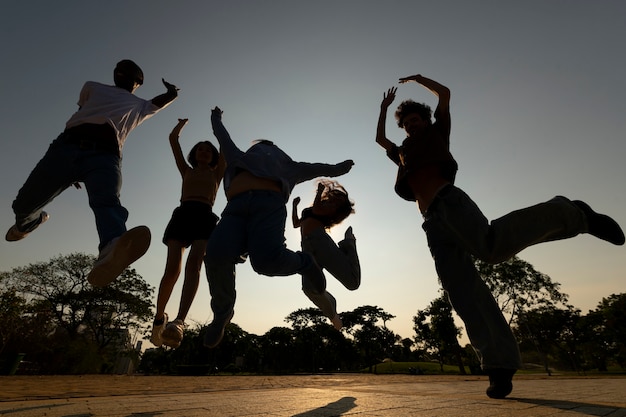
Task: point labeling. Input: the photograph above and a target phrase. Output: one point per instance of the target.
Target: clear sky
(537, 110)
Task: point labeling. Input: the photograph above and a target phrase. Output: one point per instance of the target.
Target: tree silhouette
(605, 332)
(553, 332)
(517, 286)
(437, 334)
(91, 324)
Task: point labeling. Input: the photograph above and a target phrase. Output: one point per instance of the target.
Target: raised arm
(294, 213)
(181, 164)
(227, 146)
(441, 91)
(166, 98)
(381, 137)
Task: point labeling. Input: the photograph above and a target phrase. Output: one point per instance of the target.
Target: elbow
(383, 142)
(444, 94)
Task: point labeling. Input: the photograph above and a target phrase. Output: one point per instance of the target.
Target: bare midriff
(309, 225)
(245, 181)
(199, 185)
(425, 183)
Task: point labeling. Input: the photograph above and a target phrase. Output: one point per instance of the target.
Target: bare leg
(192, 277)
(175, 252)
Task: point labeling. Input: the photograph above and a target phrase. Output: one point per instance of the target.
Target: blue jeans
(253, 224)
(62, 165)
(458, 232)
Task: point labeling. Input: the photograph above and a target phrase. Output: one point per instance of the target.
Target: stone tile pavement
(307, 396)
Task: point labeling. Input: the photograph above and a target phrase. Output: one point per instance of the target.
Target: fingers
(216, 112)
(409, 78)
(391, 93)
(169, 86)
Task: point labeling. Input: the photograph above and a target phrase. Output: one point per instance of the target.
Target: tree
(278, 349)
(553, 332)
(305, 317)
(606, 332)
(317, 344)
(93, 324)
(437, 334)
(374, 342)
(235, 345)
(517, 286)
(365, 314)
(12, 308)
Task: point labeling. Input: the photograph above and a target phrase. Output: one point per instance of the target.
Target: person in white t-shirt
(89, 151)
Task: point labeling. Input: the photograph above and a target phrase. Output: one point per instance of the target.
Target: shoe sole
(172, 343)
(131, 246)
(17, 236)
(171, 338)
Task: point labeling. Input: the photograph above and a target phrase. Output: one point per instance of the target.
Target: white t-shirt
(101, 103)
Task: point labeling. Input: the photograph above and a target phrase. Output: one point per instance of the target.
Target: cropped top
(307, 213)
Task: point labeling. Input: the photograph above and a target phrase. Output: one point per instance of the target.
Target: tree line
(63, 325)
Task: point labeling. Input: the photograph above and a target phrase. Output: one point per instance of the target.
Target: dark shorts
(190, 221)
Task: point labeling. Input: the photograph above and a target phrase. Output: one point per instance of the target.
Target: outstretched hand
(169, 86)
(389, 97)
(409, 78)
(216, 113)
(179, 126)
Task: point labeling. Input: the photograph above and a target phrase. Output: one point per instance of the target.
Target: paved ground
(307, 396)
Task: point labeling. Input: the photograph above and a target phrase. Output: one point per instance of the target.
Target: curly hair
(191, 157)
(408, 107)
(332, 189)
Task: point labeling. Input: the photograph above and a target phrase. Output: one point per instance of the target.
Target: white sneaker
(157, 332)
(13, 234)
(173, 334)
(118, 254)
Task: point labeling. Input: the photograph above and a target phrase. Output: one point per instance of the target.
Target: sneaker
(601, 226)
(215, 331)
(14, 234)
(157, 331)
(173, 334)
(116, 256)
(500, 382)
